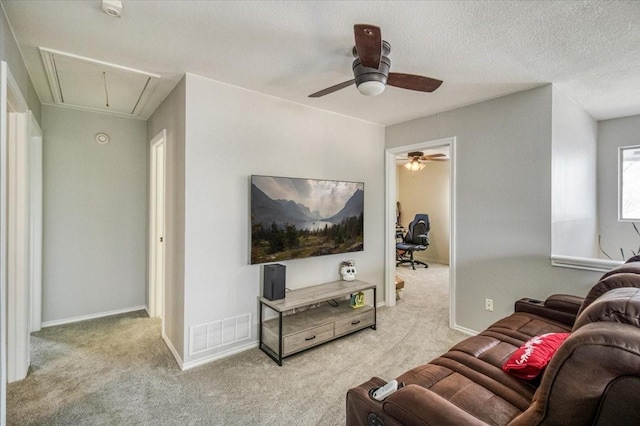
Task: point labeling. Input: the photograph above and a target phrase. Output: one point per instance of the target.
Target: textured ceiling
(482, 50)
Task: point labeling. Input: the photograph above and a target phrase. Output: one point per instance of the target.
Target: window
(629, 183)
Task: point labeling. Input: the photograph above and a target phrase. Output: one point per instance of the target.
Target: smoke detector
(112, 8)
(102, 138)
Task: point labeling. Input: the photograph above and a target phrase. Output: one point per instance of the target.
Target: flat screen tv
(293, 218)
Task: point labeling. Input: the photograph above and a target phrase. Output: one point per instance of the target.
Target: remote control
(386, 390)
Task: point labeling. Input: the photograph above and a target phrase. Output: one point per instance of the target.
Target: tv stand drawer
(307, 338)
(356, 322)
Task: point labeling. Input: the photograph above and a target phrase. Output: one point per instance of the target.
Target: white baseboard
(465, 330)
(92, 316)
(173, 351)
(202, 361)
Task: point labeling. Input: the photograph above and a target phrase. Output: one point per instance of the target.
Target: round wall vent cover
(102, 138)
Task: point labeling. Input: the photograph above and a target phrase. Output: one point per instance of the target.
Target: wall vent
(204, 337)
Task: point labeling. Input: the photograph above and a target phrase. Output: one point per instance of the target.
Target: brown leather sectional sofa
(593, 378)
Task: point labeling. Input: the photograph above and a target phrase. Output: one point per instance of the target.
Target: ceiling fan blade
(332, 89)
(413, 82)
(368, 44)
(431, 156)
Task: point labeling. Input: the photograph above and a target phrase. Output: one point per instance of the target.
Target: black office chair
(416, 239)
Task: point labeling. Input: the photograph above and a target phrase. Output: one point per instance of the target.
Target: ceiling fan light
(414, 165)
(371, 88)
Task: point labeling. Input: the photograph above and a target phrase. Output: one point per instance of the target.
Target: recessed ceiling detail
(87, 83)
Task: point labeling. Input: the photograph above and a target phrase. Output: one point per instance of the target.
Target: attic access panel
(91, 84)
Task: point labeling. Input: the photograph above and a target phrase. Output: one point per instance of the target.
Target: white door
(156, 225)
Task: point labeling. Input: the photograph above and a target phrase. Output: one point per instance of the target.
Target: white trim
(173, 351)
(584, 263)
(15, 100)
(98, 111)
(3, 241)
(452, 232)
(18, 263)
(621, 150)
(390, 205)
(92, 316)
(49, 52)
(383, 303)
(16, 257)
(465, 330)
(156, 285)
(35, 189)
(192, 364)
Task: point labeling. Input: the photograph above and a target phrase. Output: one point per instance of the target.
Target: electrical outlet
(488, 304)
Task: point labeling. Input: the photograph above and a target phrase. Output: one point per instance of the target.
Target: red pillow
(532, 357)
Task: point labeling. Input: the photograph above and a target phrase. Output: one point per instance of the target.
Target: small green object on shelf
(357, 300)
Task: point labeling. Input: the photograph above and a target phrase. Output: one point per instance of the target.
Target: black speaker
(273, 281)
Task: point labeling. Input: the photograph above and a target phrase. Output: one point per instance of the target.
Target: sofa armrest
(558, 307)
(415, 405)
(363, 410)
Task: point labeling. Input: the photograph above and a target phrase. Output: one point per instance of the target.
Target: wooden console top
(315, 294)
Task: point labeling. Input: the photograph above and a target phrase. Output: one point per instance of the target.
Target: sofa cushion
(532, 357)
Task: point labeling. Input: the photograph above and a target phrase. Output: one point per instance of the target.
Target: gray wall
(615, 235)
(233, 133)
(11, 55)
(170, 115)
(503, 202)
(574, 218)
(95, 214)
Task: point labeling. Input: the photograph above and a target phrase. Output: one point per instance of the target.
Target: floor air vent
(222, 332)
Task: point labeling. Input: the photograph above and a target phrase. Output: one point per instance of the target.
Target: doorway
(156, 226)
(391, 190)
(20, 232)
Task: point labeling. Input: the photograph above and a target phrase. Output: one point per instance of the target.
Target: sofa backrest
(620, 305)
(594, 378)
(625, 275)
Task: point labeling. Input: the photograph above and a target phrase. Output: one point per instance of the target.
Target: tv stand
(310, 316)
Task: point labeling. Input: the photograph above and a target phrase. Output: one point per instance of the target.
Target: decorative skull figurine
(348, 273)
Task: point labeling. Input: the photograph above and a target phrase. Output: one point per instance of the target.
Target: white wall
(503, 202)
(95, 214)
(427, 191)
(574, 214)
(232, 133)
(615, 235)
(170, 115)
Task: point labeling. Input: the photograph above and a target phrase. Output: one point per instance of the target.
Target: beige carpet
(117, 370)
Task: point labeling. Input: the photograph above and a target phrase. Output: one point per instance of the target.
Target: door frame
(390, 217)
(156, 284)
(35, 221)
(14, 235)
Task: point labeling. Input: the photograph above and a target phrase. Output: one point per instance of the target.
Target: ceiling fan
(371, 67)
(416, 159)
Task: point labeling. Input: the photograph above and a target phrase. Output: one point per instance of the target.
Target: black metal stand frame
(278, 357)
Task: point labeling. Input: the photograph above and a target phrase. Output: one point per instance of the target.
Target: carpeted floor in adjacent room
(117, 370)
